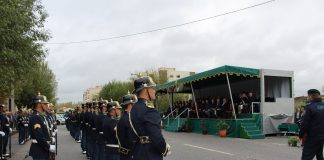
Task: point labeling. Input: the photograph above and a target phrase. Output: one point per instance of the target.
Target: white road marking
(230, 154)
(279, 144)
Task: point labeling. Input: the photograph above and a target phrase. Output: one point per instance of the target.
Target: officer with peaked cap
(125, 138)
(109, 131)
(145, 122)
(312, 127)
(39, 130)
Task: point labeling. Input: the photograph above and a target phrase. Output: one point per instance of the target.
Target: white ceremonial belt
(112, 145)
(7, 125)
(35, 141)
(100, 132)
(94, 129)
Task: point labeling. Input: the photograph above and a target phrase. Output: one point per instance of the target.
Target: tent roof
(230, 70)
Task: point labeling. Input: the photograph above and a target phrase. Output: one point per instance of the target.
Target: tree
(116, 90)
(40, 79)
(21, 35)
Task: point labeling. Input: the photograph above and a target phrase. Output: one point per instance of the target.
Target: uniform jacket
(146, 121)
(313, 120)
(98, 124)
(39, 131)
(108, 128)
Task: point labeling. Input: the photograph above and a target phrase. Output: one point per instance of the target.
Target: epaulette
(149, 104)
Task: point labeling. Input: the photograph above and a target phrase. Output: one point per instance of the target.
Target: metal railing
(178, 117)
(168, 116)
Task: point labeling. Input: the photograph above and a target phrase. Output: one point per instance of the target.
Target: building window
(171, 76)
(178, 76)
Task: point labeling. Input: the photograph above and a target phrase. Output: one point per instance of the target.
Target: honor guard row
(123, 132)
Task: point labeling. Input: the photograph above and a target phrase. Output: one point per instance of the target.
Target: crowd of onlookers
(216, 107)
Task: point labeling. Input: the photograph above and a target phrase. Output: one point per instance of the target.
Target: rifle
(56, 143)
(10, 145)
(52, 155)
(25, 135)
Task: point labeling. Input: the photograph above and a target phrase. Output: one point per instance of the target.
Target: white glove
(169, 149)
(53, 140)
(52, 148)
(2, 133)
(10, 130)
(53, 134)
(56, 130)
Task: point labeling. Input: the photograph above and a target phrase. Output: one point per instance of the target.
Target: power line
(167, 27)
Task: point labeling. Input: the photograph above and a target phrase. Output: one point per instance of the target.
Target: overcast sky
(284, 34)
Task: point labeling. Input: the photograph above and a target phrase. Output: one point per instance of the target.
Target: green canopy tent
(216, 75)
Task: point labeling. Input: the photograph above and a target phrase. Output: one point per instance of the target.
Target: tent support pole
(172, 99)
(230, 91)
(170, 103)
(194, 100)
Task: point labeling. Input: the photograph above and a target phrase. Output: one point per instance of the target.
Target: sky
(284, 34)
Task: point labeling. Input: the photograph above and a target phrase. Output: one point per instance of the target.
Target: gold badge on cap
(37, 126)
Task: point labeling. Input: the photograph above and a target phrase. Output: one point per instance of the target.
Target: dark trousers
(124, 157)
(5, 143)
(22, 134)
(77, 133)
(111, 156)
(93, 147)
(99, 151)
(83, 140)
(313, 147)
(89, 145)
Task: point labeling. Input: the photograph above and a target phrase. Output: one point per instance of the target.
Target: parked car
(60, 120)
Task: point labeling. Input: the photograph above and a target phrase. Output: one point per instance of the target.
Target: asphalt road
(189, 146)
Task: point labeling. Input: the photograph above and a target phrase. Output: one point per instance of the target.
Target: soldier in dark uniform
(94, 133)
(27, 117)
(21, 127)
(145, 121)
(100, 144)
(312, 127)
(6, 129)
(76, 125)
(87, 120)
(82, 126)
(124, 129)
(109, 131)
(50, 120)
(39, 130)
